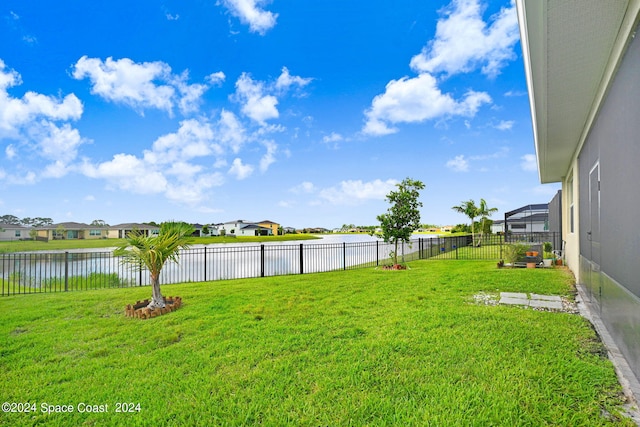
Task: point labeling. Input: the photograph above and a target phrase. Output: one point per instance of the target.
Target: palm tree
(485, 212)
(140, 251)
(469, 209)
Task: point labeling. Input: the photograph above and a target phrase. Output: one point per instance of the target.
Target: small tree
(469, 209)
(515, 252)
(403, 217)
(60, 231)
(152, 253)
(484, 212)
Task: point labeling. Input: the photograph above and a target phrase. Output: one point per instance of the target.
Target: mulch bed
(140, 310)
(394, 267)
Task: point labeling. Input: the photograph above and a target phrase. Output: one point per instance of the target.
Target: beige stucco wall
(572, 240)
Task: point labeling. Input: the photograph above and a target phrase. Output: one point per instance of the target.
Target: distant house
(497, 226)
(197, 230)
(212, 229)
(241, 227)
(71, 231)
(121, 231)
(14, 232)
(271, 225)
(318, 230)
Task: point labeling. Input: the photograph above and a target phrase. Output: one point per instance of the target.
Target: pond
(81, 268)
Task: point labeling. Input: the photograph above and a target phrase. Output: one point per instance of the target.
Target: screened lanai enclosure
(537, 223)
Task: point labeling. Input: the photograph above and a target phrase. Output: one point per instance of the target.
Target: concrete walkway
(552, 302)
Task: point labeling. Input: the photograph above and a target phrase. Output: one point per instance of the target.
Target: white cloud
(257, 104)
(141, 85)
(192, 191)
(515, 93)
(305, 187)
(529, 163)
(286, 80)
(269, 157)
(18, 113)
(176, 165)
(240, 170)
(333, 137)
(411, 100)
(32, 120)
(260, 99)
(250, 12)
(129, 173)
(458, 164)
(505, 125)
(124, 81)
(354, 192)
(58, 143)
(10, 151)
(231, 132)
(216, 78)
(13, 19)
(464, 41)
(179, 164)
(190, 95)
(193, 139)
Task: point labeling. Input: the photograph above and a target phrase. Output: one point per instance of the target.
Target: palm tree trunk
(157, 301)
(473, 234)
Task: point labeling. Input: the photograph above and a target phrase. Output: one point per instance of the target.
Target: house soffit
(568, 54)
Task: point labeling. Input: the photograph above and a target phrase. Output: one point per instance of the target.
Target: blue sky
(305, 113)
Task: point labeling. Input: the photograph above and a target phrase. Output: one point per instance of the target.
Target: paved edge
(626, 377)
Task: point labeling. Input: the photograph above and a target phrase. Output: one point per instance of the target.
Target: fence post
(301, 260)
(66, 271)
(262, 260)
(205, 263)
(344, 255)
(377, 253)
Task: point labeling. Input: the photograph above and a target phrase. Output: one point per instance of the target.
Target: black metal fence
(22, 273)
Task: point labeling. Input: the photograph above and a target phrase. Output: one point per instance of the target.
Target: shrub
(515, 252)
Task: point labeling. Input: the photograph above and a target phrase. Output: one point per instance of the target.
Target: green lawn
(32, 245)
(348, 348)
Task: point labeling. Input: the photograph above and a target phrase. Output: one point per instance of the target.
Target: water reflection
(89, 268)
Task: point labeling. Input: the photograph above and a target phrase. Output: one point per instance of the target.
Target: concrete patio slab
(514, 301)
(540, 303)
(546, 297)
(513, 295)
